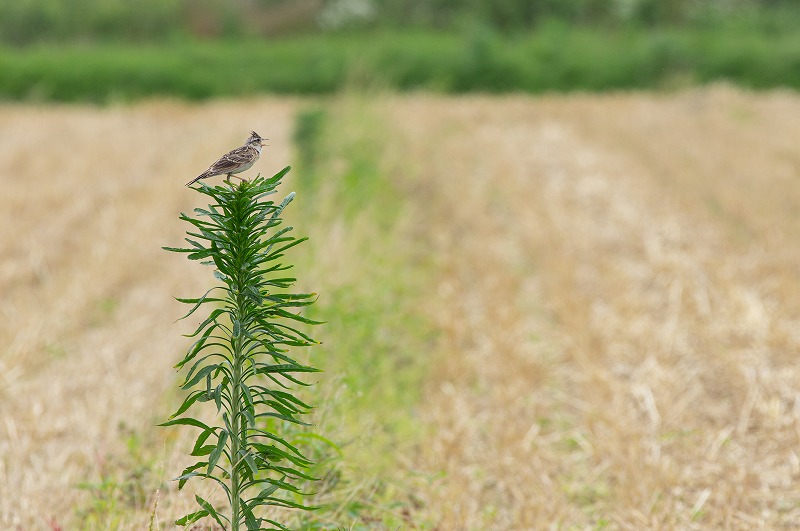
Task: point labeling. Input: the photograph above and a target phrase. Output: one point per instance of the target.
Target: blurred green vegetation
(109, 50)
(557, 57)
(379, 343)
(34, 21)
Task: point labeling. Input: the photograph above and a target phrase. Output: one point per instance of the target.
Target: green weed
(240, 360)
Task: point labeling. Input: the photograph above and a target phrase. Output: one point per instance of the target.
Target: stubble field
(615, 291)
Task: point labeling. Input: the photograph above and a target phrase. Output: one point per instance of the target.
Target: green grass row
(379, 344)
(553, 58)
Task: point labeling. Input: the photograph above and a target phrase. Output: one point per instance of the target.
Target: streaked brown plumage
(236, 161)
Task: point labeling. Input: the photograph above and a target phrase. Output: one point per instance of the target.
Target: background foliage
(31, 21)
(101, 51)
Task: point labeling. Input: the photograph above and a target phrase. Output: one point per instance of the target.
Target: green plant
(240, 345)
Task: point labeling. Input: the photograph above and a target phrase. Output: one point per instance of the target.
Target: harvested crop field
(617, 305)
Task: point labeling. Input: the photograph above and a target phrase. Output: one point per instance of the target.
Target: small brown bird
(236, 161)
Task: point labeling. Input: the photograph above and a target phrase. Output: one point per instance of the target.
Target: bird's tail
(201, 176)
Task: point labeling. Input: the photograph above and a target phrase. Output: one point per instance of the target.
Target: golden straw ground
(617, 303)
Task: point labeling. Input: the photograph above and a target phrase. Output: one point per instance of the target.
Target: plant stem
(235, 436)
(238, 435)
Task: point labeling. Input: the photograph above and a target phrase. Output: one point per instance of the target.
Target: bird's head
(255, 139)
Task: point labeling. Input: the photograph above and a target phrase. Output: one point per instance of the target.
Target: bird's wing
(223, 165)
(231, 161)
(242, 155)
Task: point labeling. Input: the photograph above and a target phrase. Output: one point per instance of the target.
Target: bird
(235, 161)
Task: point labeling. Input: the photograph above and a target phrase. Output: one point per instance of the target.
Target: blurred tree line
(525, 14)
(30, 21)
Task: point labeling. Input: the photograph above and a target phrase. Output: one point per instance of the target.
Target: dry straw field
(617, 303)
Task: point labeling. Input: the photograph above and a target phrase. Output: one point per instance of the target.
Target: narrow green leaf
(280, 502)
(286, 200)
(203, 450)
(273, 453)
(199, 255)
(200, 442)
(251, 419)
(274, 486)
(191, 399)
(287, 418)
(217, 452)
(187, 421)
(210, 319)
(246, 392)
(279, 440)
(218, 397)
(195, 349)
(188, 473)
(211, 511)
(278, 527)
(248, 458)
(250, 520)
(191, 518)
(218, 259)
(284, 368)
(295, 316)
(293, 473)
(254, 295)
(227, 423)
(177, 250)
(207, 370)
(285, 398)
